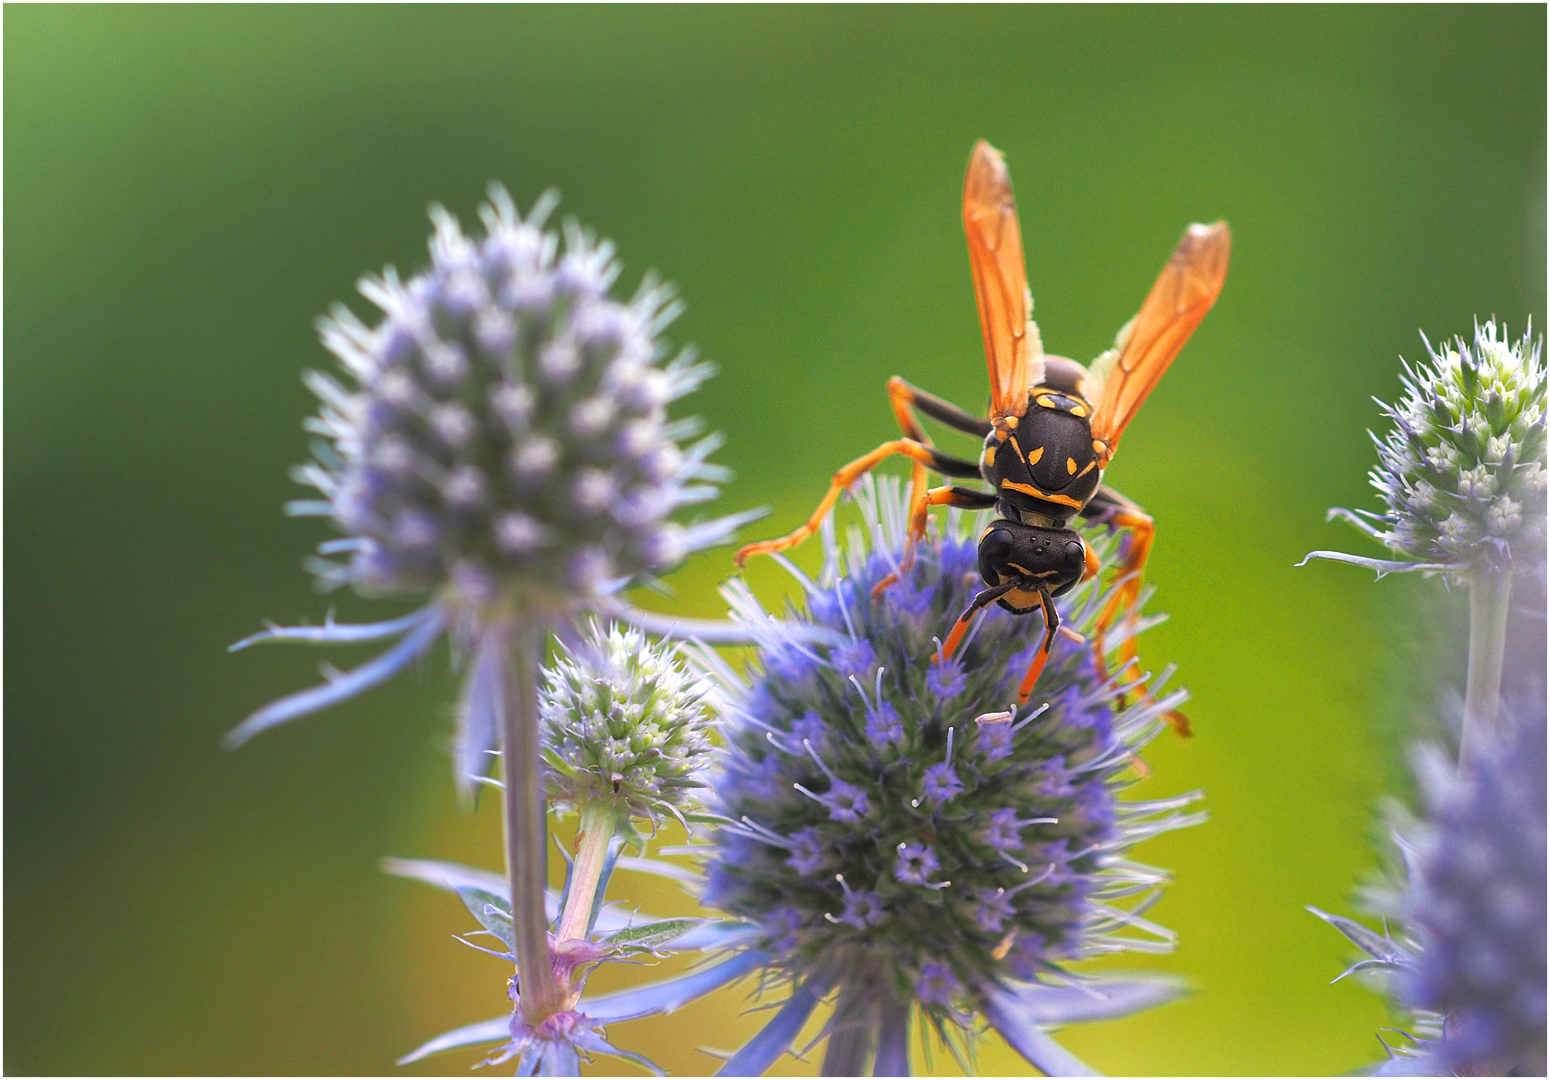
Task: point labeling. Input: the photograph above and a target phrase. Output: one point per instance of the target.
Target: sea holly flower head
(1471, 899)
(499, 442)
(936, 850)
(1462, 473)
(625, 724)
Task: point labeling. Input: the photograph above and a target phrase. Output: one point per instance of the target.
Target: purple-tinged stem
(527, 839)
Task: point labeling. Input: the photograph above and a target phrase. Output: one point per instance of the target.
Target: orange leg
(1122, 603)
(843, 478)
(903, 397)
(1035, 669)
(982, 601)
(967, 498)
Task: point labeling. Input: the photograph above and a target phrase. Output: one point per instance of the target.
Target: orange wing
(1184, 292)
(1000, 278)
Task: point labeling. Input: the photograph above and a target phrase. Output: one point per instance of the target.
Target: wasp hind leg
(1109, 507)
(965, 498)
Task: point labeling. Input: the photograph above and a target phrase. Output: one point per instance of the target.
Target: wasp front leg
(965, 498)
(1040, 658)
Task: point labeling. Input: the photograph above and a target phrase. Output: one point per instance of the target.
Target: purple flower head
(910, 818)
(856, 657)
(781, 929)
(808, 854)
(942, 783)
(917, 862)
(459, 455)
(809, 727)
(1005, 832)
(995, 739)
(862, 909)
(937, 985)
(947, 680)
(992, 908)
(883, 725)
(847, 803)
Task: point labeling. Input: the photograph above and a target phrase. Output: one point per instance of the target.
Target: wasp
(1052, 427)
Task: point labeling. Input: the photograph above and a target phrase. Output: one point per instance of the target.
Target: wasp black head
(1044, 462)
(1031, 556)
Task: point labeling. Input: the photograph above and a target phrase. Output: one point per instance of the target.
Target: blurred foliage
(188, 187)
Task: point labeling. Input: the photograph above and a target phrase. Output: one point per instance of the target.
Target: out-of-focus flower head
(1462, 473)
(626, 725)
(500, 442)
(903, 836)
(1471, 899)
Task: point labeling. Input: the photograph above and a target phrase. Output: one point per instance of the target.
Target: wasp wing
(1000, 280)
(1183, 293)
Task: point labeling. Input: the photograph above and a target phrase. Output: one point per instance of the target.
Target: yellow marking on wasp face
(1033, 458)
(984, 534)
(1016, 446)
(1070, 465)
(1023, 598)
(1029, 489)
(1023, 570)
(1045, 573)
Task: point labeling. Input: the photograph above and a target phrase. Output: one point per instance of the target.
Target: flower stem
(527, 839)
(1490, 600)
(594, 833)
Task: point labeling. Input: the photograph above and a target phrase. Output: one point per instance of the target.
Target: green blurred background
(186, 188)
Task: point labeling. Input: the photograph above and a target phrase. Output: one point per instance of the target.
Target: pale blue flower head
(625, 724)
(1471, 900)
(1462, 473)
(928, 848)
(498, 441)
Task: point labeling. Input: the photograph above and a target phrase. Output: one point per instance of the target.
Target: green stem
(1490, 599)
(594, 833)
(527, 839)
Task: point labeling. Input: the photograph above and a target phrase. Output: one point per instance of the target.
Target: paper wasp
(1052, 428)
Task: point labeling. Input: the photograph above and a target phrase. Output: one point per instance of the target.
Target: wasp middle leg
(1109, 507)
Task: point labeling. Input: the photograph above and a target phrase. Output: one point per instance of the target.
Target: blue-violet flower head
(985, 849)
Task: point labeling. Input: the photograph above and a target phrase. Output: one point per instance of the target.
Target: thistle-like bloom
(1462, 473)
(625, 725)
(501, 444)
(1472, 965)
(902, 836)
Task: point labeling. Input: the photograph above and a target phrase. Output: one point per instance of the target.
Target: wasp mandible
(1052, 428)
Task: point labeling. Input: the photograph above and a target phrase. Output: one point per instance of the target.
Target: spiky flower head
(1462, 473)
(900, 827)
(508, 421)
(1471, 900)
(625, 724)
(500, 442)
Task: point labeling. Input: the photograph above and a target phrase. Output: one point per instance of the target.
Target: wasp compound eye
(1075, 555)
